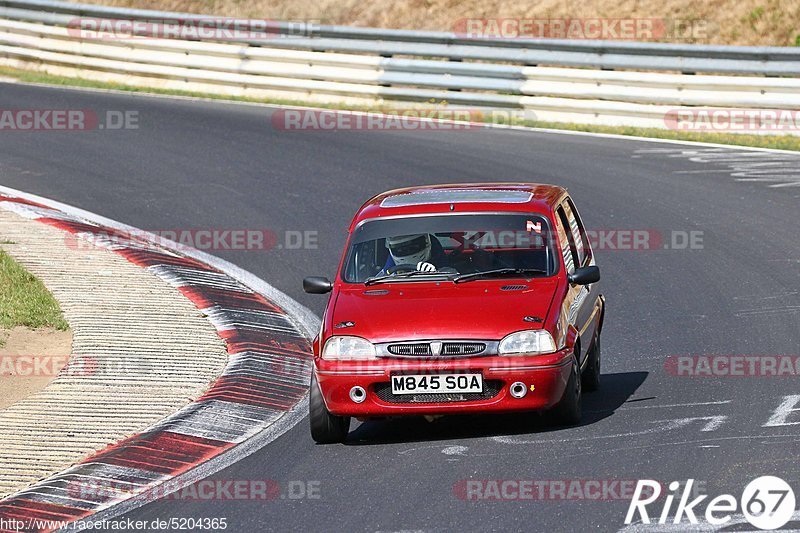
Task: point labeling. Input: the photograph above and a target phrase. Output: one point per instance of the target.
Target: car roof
(463, 197)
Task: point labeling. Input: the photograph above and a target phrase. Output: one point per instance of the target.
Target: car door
(584, 301)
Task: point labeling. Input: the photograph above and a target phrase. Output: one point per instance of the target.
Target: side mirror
(585, 275)
(317, 285)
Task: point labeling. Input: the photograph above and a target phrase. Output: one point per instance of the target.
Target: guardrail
(334, 64)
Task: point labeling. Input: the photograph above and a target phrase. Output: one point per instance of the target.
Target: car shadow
(615, 390)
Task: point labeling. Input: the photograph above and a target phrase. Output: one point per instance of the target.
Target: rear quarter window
(566, 241)
(582, 248)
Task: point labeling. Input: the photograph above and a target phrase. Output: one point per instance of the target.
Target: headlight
(531, 342)
(348, 348)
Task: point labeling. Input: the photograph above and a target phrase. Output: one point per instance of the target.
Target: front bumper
(545, 377)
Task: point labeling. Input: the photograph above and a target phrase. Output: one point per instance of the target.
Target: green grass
(24, 300)
(782, 142)
(779, 142)
(755, 15)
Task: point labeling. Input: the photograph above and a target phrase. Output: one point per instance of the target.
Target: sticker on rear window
(537, 227)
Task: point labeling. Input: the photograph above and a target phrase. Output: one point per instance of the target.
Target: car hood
(475, 310)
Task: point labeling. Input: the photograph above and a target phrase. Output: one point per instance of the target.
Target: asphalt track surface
(216, 165)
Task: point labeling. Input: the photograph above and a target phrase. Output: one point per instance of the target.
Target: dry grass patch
(739, 22)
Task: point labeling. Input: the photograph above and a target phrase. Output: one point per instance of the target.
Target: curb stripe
(210, 297)
(266, 376)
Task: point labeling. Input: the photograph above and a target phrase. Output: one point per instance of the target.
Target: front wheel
(591, 374)
(326, 428)
(567, 412)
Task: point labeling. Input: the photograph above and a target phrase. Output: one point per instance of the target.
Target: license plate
(436, 383)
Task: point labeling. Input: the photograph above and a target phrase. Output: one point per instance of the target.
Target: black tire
(326, 428)
(567, 412)
(591, 374)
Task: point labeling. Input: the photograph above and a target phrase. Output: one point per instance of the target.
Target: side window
(367, 261)
(566, 241)
(578, 232)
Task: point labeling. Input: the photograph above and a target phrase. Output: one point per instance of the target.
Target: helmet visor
(410, 247)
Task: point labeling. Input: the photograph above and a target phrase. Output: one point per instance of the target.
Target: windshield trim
(448, 214)
(422, 276)
(433, 277)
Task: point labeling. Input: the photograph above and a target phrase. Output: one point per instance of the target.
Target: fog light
(518, 390)
(358, 394)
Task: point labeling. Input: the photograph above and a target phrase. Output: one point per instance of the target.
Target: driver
(421, 251)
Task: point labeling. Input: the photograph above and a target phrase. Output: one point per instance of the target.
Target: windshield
(418, 248)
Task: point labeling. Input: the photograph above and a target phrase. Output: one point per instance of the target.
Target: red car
(458, 299)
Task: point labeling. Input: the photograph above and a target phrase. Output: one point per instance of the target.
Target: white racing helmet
(409, 249)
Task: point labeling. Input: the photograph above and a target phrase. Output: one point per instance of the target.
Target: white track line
(694, 404)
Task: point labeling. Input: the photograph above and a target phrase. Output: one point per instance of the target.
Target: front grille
(420, 349)
(446, 349)
(462, 348)
(490, 389)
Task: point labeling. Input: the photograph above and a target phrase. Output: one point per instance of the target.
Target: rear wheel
(567, 412)
(591, 374)
(326, 428)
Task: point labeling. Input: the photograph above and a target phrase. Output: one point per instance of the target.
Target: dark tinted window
(459, 244)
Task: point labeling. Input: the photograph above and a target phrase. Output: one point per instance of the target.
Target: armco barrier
(333, 64)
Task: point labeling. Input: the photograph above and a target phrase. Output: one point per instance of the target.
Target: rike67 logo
(767, 503)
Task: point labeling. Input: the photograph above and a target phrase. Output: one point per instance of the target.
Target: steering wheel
(400, 269)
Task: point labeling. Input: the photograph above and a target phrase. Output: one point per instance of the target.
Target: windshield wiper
(497, 272)
(390, 277)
